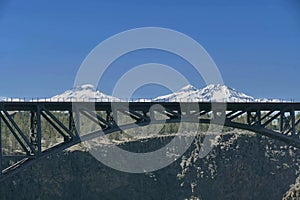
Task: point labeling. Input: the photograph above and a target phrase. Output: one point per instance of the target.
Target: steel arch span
(275, 120)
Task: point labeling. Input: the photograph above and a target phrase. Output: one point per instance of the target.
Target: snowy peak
(85, 87)
(188, 88)
(184, 93)
(85, 92)
(212, 92)
(188, 93)
(218, 92)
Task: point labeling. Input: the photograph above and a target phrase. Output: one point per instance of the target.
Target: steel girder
(275, 120)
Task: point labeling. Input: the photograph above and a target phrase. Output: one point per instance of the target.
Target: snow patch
(212, 92)
(86, 92)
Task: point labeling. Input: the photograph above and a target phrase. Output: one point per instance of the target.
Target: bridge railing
(37, 99)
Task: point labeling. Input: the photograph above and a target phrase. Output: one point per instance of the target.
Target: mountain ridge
(188, 93)
(84, 92)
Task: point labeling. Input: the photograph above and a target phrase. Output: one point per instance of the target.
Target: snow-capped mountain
(223, 93)
(83, 93)
(189, 93)
(213, 92)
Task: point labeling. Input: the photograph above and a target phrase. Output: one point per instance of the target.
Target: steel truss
(275, 120)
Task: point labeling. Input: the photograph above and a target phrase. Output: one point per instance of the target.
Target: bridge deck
(260, 118)
(64, 106)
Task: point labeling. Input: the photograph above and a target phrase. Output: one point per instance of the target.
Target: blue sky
(255, 44)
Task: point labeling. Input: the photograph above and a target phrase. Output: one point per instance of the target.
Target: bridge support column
(33, 137)
(72, 126)
(254, 117)
(281, 121)
(77, 122)
(39, 129)
(36, 130)
(258, 114)
(110, 119)
(293, 131)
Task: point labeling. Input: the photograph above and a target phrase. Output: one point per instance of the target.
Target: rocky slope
(242, 166)
(294, 191)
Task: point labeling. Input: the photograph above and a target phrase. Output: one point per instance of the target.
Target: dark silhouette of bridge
(275, 120)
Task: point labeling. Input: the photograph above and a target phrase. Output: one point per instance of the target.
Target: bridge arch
(257, 117)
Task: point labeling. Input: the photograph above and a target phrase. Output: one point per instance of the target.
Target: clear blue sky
(256, 44)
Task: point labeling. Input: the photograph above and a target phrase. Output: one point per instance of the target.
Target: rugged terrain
(242, 166)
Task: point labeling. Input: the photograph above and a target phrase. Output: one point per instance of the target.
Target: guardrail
(37, 99)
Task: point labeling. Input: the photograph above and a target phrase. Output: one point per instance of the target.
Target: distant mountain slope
(213, 92)
(83, 93)
(189, 93)
(208, 93)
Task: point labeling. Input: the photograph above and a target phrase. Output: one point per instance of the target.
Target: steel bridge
(275, 120)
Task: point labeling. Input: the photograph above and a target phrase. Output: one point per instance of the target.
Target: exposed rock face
(294, 191)
(242, 166)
